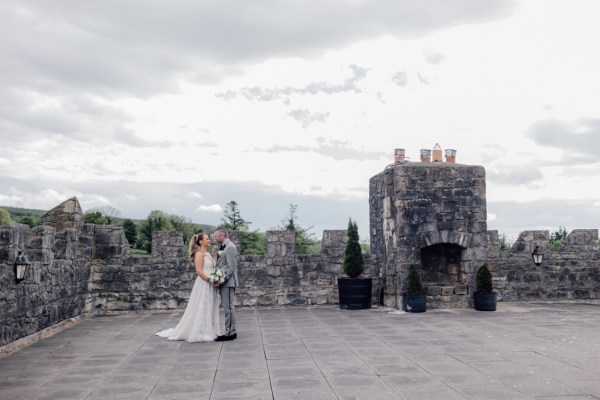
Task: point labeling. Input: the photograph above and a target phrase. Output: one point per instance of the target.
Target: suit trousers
(227, 294)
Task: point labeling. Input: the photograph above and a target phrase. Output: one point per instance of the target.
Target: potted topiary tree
(415, 298)
(354, 292)
(484, 298)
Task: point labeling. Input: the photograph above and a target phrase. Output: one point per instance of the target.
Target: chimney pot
(425, 155)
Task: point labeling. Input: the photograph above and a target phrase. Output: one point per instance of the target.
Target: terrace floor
(521, 351)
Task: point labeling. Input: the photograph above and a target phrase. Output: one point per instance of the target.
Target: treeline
(139, 232)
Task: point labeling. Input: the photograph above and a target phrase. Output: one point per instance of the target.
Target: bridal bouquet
(217, 276)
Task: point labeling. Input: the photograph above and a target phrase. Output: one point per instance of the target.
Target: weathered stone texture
(67, 214)
(55, 288)
(416, 207)
(89, 270)
(571, 273)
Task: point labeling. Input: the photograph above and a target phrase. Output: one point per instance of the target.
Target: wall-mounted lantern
(537, 256)
(21, 266)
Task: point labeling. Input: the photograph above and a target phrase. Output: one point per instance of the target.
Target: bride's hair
(195, 244)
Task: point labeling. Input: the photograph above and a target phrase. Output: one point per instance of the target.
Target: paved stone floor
(521, 351)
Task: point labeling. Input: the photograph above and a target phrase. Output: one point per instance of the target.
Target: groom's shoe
(234, 336)
(221, 338)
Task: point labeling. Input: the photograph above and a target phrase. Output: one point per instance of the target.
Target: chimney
(437, 153)
(398, 156)
(450, 156)
(425, 155)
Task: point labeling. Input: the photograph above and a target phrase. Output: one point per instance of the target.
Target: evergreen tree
(305, 240)
(413, 281)
(232, 219)
(483, 280)
(130, 230)
(353, 259)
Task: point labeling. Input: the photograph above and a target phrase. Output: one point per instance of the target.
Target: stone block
(461, 289)
(447, 290)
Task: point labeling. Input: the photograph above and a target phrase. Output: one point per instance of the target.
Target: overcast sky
(183, 106)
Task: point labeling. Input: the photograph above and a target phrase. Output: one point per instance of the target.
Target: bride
(200, 321)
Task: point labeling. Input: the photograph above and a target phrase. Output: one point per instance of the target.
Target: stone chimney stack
(425, 155)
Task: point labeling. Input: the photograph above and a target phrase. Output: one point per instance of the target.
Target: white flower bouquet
(217, 276)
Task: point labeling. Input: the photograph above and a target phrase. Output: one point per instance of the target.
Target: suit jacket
(227, 262)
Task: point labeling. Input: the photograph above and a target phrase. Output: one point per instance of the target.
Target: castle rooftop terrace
(522, 351)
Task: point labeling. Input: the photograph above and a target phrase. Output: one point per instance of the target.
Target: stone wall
(89, 271)
(572, 273)
(420, 213)
(434, 215)
(165, 280)
(55, 288)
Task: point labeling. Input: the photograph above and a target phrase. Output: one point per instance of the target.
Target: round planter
(484, 301)
(414, 303)
(355, 293)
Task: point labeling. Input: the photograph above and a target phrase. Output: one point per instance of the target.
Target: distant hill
(18, 212)
(32, 216)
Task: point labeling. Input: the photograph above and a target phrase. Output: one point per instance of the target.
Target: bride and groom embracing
(200, 321)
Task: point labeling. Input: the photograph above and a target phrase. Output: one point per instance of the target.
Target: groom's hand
(216, 284)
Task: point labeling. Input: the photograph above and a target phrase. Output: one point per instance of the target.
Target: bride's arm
(199, 264)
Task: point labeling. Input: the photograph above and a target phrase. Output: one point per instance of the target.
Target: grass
(140, 253)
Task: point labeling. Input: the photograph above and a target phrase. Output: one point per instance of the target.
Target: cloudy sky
(183, 106)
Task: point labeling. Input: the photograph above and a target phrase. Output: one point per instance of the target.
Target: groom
(227, 261)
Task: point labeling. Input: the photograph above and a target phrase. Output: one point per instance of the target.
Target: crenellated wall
(89, 270)
(56, 286)
(570, 273)
(433, 215)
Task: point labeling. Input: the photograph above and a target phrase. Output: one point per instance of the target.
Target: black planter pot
(484, 301)
(414, 302)
(355, 293)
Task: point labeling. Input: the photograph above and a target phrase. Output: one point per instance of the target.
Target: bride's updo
(195, 244)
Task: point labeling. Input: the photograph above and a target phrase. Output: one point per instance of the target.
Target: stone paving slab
(521, 351)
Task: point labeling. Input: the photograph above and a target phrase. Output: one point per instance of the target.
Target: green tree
(157, 221)
(483, 280)
(130, 229)
(4, 216)
(413, 281)
(106, 215)
(557, 238)
(94, 217)
(29, 220)
(184, 225)
(305, 240)
(252, 242)
(504, 245)
(232, 219)
(353, 259)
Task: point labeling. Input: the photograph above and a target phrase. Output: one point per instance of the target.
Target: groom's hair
(223, 231)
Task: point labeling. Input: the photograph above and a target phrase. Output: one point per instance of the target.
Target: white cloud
(194, 195)
(213, 208)
(187, 112)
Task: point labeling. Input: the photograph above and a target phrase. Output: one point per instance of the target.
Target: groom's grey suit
(227, 262)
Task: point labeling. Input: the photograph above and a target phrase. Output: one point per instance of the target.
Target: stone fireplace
(433, 215)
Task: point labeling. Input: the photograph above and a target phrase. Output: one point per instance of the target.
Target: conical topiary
(413, 281)
(483, 280)
(353, 259)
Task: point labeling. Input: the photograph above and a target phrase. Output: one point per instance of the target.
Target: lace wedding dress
(200, 321)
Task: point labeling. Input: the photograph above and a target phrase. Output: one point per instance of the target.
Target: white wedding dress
(200, 320)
